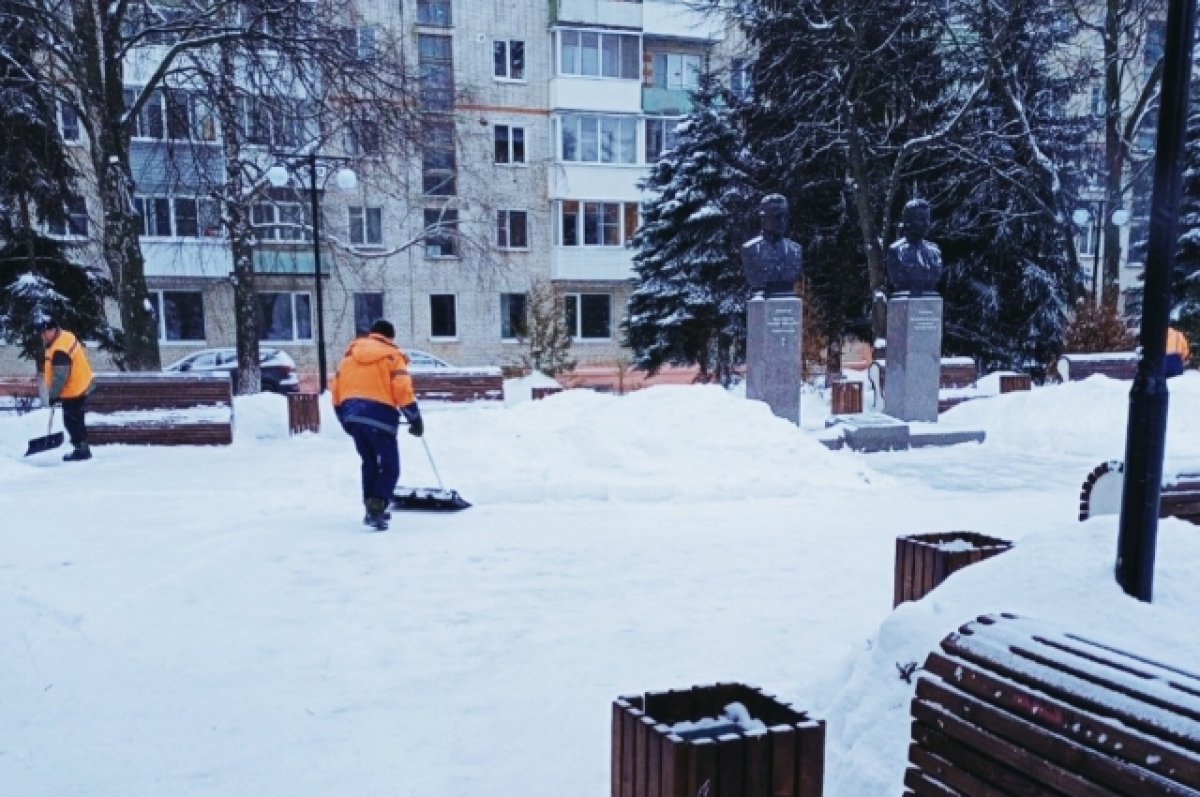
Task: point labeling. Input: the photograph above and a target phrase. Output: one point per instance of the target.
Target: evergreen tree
(37, 277)
(1185, 281)
(689, 298)
(1014, 171)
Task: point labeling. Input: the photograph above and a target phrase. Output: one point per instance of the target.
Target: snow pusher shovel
(51, 441)
(426, 499)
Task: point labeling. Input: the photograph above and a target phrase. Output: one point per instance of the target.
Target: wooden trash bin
(653, 753)
(925, 560)
(304, 413)
(1011, 383)
(847, 398)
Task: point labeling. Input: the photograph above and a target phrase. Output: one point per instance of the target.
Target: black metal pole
(316, 226)
(1146, 434)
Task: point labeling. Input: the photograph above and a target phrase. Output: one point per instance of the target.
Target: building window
(76, 221)
(513, 318)
(443, 321)
(435, 64)
(434, 12)
(168, 114)
(596, 223)
(676, 71)
(439, 164)
(441, 232)
(180, 217)
(285, 316)
(280, 221)
(508, 56)
(362, 137)
(368, 308)
(366, 226)
(739, 77)
(180, 316)
(68, 123)
(660, 136)
(588, 316)
(358, 45)
(592, 54)
(512, 229)
(510, 144)
(598, 139)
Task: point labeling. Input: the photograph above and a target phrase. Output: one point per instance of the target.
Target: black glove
(416, 427)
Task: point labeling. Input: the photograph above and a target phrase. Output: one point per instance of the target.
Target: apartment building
(539, 121)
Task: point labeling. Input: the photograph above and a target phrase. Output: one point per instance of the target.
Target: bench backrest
(119, 392)
(465, 386)
(1114, 365)
(1013, 706)
(1101, 493)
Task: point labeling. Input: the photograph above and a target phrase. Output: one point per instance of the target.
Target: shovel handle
(50, 425)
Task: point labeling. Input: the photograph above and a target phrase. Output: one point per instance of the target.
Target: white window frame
(77, 225)
(68, 124)
(158, 296)
(505, 224)
(576, 299)
(365, 225)
(577, 67)
(292, 297)
(454, 307)
(509, 135)
(446, 219)
(599, 128)
(670, 138)
(503, 70)
(287, 222)
(596, 208)
(359, 44)
(681, 71)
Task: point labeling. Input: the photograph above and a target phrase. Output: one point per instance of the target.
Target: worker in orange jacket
(371, 390)
(68, 377)
(1177, 352)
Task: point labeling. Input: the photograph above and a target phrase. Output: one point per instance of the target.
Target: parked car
(422, 361)
(278, 369)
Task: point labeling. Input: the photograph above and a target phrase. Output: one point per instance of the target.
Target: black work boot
(80, 453)
(377, 516)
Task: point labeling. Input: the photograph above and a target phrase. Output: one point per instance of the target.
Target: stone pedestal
(773, 353)
(914, 356)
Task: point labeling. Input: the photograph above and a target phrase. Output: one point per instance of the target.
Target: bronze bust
(914, 265)
(771, 263)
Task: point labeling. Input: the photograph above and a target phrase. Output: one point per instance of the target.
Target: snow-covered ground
(215, 621)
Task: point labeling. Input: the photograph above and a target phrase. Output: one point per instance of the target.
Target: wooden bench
(160, 409)
(954, 372)
(482, 384)
(1114, 365)
(1101, 493)
(1013, 706)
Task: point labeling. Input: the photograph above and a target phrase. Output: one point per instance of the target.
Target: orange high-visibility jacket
(72, 355)
(375, 369)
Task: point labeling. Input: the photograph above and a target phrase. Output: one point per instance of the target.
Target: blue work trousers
(380, 460)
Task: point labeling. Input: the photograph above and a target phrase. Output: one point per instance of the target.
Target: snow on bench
(1113, 364)
(1012, 706)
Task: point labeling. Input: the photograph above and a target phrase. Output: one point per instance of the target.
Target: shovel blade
(424, 499)
(39, 444)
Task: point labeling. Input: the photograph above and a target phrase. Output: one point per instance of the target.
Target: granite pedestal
(914, 355)
(773, 353)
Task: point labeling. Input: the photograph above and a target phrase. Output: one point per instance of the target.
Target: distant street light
(278, 176)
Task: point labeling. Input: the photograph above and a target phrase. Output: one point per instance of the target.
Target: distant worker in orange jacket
(1177, 352)
(68, 377)
(371, 390)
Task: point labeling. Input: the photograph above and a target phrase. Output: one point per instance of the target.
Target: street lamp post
(278, 175)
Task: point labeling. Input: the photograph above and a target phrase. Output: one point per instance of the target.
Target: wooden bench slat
(1024, 708)
(1086, 728)
(1095, 766)
(966, 770)
(1007, 753)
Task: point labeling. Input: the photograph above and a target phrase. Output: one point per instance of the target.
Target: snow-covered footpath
(215, 621)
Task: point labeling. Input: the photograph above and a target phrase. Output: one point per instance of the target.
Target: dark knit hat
(383, 327)
(45, 322)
